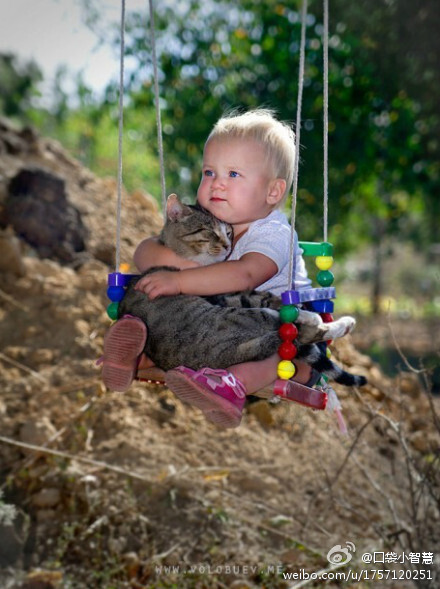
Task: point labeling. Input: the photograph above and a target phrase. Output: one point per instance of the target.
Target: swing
(316, 299)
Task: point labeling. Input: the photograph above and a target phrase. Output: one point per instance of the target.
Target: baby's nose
(218, 182)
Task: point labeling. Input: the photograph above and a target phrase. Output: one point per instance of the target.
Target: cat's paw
(341, 327)
(309, 318)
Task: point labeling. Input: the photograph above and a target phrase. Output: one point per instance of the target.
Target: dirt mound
(137, 490)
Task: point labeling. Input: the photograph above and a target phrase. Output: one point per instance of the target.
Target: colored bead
(112, 310)
(310, 248)
(288, 332)
(324, 262)
(322, 306)
(294, 297)
(325, 278)
(327, 317)
(115, 293)
(328, 352)
(124, 267)
(118, 279)
(286, 369)
(287, 351)
(289, 313)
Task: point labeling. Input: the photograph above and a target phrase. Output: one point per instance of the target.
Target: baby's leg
(148, 371)
(220, 394)
(257, 375)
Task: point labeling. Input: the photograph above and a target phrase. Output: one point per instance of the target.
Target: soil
(138, 490)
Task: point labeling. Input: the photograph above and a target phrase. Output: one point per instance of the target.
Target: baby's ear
(276, 191)
(176, 209)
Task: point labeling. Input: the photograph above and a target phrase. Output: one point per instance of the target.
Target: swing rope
(120, 136)
(292, 264)
(121, 125)
(325, 43)
(325, 114)
(157, 105)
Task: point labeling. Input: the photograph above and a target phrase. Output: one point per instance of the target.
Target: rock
(46, 515)
(42, 579)
(38, 209)
(117, 545)
(409, 384)
(263, 412)
(37, 432)
(41, 356)
(421, 442)
(132, 564)
(46, 498)
(11, 255)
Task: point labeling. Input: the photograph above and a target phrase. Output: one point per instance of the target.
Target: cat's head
(193, 233)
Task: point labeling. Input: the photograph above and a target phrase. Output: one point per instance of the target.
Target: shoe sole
(123, 344)
(216, 409)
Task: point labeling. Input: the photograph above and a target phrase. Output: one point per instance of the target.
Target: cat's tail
(314, 356)
(346, 378)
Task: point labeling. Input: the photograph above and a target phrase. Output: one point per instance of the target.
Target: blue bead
(115, 293)
(119, 279)
(322, 306)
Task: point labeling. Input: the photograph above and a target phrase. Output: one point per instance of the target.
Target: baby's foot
(218, 393)
(123, 344)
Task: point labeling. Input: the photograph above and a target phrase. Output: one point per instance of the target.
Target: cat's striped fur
(221, 330)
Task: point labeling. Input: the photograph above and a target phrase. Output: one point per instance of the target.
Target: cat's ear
(176, 209)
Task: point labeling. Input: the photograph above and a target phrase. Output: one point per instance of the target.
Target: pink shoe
(123, 344)
(218, 393)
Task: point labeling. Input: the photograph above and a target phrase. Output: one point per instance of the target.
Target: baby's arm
(247, 273)
(150, 252)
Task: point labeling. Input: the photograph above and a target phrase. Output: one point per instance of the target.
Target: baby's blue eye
(208, 173)
(234, 174)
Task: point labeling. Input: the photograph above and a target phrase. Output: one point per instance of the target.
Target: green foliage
(218, 56)
(213, 56)
(18, 86)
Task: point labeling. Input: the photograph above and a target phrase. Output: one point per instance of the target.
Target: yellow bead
(124, 267)
(328, 352)
(324, 262)
(286, 369)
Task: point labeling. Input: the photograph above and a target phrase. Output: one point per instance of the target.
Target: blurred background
(59, 72)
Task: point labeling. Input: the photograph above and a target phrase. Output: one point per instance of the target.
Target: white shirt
(271, 237)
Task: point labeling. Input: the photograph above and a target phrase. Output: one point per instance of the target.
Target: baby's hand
(159, 283)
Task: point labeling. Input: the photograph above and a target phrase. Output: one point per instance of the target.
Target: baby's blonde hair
(260, 125)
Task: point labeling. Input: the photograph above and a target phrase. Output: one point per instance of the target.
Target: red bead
(288, 331)
(327, 317)
(287, 351)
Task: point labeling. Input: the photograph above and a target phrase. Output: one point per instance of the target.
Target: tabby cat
(221, 330)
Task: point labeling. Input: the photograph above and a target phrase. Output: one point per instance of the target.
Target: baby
(248, 163)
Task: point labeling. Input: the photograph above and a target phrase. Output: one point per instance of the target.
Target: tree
(18, 85)
(220, 55)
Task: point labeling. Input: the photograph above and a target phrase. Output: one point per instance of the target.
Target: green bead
(325, 278)
(289, 313)
(112, 311)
